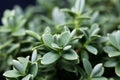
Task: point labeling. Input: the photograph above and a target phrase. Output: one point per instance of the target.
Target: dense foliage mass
(61, 40)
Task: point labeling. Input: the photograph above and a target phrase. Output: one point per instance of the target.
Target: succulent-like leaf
(79, 5)
(50, 58)
(117, 69)
(87, 66)
(33, 34)
(12, 74)
(28, 77)
(34, 56)
(47, 39)
(98, 70)
(112, 52)
(34, 69)
(64, 38)
(70, 55)
(92, 49)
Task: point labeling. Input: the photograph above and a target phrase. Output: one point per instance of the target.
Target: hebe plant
(73, 46)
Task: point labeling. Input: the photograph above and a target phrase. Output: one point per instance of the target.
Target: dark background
(9, 4)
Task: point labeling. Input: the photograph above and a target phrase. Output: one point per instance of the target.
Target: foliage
(81, 42)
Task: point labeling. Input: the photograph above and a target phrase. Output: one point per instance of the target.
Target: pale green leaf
(99, 78)
(34, 56)
(98, 70)
(64, 38)
(87, 66)
(12, 74)
(112, 52)
(28, 77)
(92, 49)
(34, 69)
(117, 69)
(70, 55)
(33, 34)
(50, 58)
(47, 39)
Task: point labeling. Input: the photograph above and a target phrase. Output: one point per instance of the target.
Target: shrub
(77, 43)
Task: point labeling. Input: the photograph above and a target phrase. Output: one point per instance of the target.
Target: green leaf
(28, 77)
(18, 66)
(20, 32)
(56, 46)
(47, 39)
(34, 56)
(72, 34)
(110, 63)
(94, 29)
(67, 47)
(70, 12)
(70, 55)
(114, 41)
(33, 34)
(7, 43)
(58, 16)
(112, 52)
(92, 49)
(64, 38)
(12, 74)
(79, 5)
(84, 54)
(24, 62)
(87, 66)
(50, 58)
(98, 70)
(100, 78)
(47, 30)
(117, 69)
(70, 68)
(34, 69)
(13, 47)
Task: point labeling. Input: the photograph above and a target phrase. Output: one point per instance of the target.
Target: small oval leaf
(50, 58)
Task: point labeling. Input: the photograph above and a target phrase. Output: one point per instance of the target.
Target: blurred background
(9, 4)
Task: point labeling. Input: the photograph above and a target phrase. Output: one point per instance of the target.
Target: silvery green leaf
(50, 58)
(94, 29)
(98, 70)
(70, 12)
(28, 77)
(34, 69)
(47, 30)
(79, 6)
(70, 55)
(58, 16)
(12, 74)
(20, 32)
(110, 63)
(87, 66)
(64, 38)
(112, 52)
(47, 39)
(67, 47)
(33, 34)
(34, 56)
(91, 49)
(100, 78)
(72, 34)
(114, 39)
(117, 69)
(14, 47)
(18, 66)
(24, 62)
